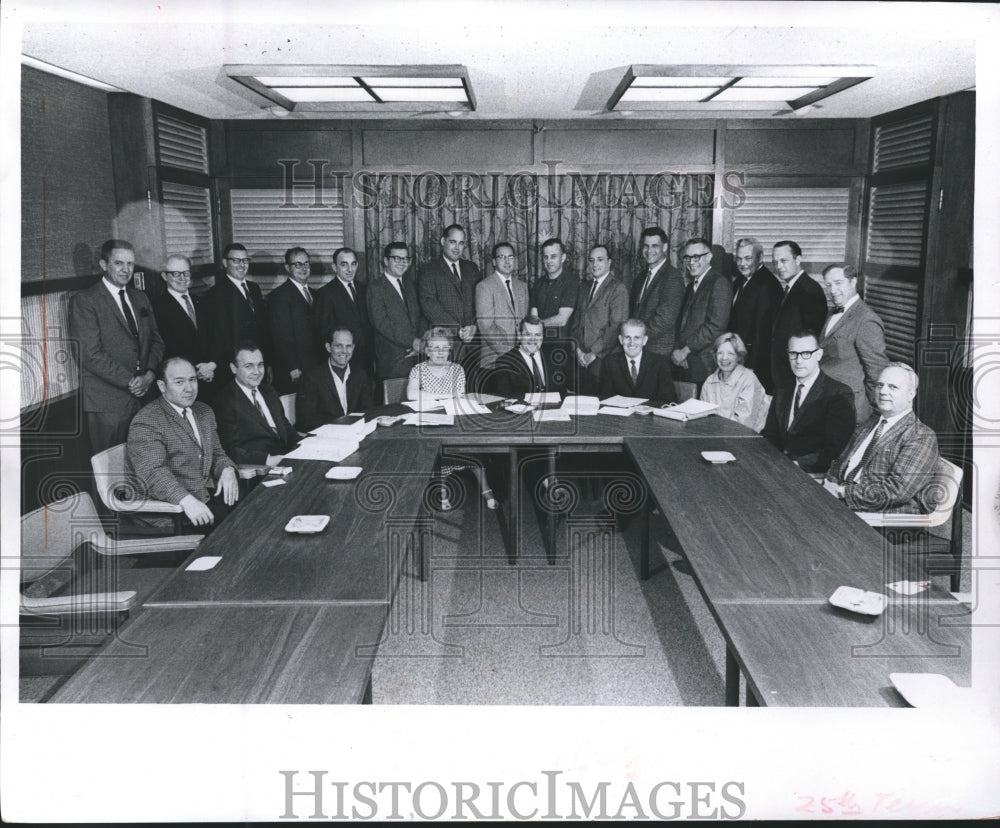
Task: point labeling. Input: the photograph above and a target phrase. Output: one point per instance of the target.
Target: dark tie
(869, 449)
(458, 276)
(350, 291)
(838, 308)
(593, 290)
(510, 292)
(539, 382)
(633, 372)
(260, 410)
(742, 284)
(645, 284)
(309, 296)
(786, 287)
(798, 400)
(129, 318)
(688, 293)
(399, 287)
(246, 295)
(190, 309)
(189, 422)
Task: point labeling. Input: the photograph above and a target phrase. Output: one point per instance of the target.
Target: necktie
(869, 449)
(510, 292)
(798, 399)
(190, 309)
(742, 284)
(309, 296)
(645, 285)
(399, 286)
(260, 410)
(350, 291)
(838, 309)
(458, 276)
(593, 290)
(688, 293)
(189, 422)
(633, 371)
(786, 287)
(539, 382)
(246, 295)
(129, 318)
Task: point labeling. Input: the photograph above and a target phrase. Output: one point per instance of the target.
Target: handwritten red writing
(848, 804)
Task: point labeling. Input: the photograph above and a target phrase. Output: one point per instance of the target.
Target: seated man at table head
(891, 458)
(174, 451)
(635, 371)
(253, 427)
(333, 389)
(811, 419)
(734, 387)
(527, 368)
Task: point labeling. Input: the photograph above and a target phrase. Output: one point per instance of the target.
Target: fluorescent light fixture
(338, 88)
(42, 66)
(811, 83)
(765, 93)
(675, 81)
(668, 94)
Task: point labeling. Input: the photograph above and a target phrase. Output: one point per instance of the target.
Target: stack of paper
(618, 401)
(320, 448)
(543, 398)
(354, 431)
(463, 405)
(581, 406)
(550, 415)
(426, 403)
(614, 411)
(688, 410)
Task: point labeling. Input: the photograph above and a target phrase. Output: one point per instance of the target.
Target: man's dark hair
(293, 251)
(555, 240)
(244, 345)
(793, 246)
(396, 245)
(450, 227)
(229, 248)
(659, 232)
(498, 245)
(114, 244)
(161, 369)
(340, 250)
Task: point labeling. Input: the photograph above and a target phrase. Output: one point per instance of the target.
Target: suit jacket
(896, 475)
(395, 324)
(655, 380)
(443, 302)
(802, 308)
(595, 323)
(335, 309)
(660, 307)
(244, 433)
(295, 338)
(181, 337)
(700, 323)
(820, 430)
(510, 376)
(109, 355)
(317, 402)
(854, 353)
(752, 317)
(165, 458)
(498, 320)
(235, 321)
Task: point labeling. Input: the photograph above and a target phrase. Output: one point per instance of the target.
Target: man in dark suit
(343, 303)
(237, 308)
(174, 451)
(185, 324)
(447, 290)
(394, 310)
(636, 371)
(657, 293)
(252, 425)
(553, 298)
(811, 419)
(802, 308)
(602, 306)
(705, 307)
(756, 298)
(335, 388)
(526, 369)
(892, 456)
(853, 339)
(291, 321)
(120, 346)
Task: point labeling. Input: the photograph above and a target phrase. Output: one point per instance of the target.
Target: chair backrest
(51, 534)
(684, 390)
(393, 389)
(109, 473)
(944, 491)
(288, 403)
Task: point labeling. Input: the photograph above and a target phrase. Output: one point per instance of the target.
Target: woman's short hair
(438, 333)
(736, 341)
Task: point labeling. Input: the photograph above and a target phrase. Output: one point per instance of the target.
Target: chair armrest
(887, 520)
(248, 472)
(76, 604)
(138, 546)
(119, 505)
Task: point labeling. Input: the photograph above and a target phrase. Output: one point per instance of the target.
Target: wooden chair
(684, 390)
(122, 494)
(394, 389)
(913, 531)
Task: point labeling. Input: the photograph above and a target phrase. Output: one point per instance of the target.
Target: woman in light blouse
(733, 387)
(439, 376)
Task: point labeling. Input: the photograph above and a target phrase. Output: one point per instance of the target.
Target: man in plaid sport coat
(891, 475)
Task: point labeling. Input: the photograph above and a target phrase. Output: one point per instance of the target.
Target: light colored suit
(854, 353)
(497, 318)
(165, 458)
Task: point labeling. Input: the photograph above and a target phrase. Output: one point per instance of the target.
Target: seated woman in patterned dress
(438, 375)
(735, 388)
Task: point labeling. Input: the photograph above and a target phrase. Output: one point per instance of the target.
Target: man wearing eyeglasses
(238, 311)
(756, 296)
(602, 305)
(811, 419)
(185, 323)
(394, 310)
(704, 314)
(501, 302)
(292, 322)
(802, 306)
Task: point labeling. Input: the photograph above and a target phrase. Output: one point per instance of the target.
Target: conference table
(298, 618)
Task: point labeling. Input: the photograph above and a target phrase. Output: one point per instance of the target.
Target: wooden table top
(353, 559)
(816, 655)
(222, 654)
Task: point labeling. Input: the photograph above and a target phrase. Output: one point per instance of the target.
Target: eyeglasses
(178, 274)
(694, 257)
(505, 257)
(399, 259)
(298, 264)
(802, 354)
(245, 261)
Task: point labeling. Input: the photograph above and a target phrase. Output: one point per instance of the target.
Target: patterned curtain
(527, 209)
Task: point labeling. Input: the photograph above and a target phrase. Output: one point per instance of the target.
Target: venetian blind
(181, 144)
(815, 217)
(187, 221)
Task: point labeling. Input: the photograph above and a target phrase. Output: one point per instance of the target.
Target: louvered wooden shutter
(187, 221)
(897, 304)
(815, 217)
(903, 144)
(896, 224)
(268, 223)
(181, 144)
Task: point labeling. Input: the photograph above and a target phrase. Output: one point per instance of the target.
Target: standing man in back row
(657, 293)
(756, 297)
(501, 302)
(601, 308)
(343, 303)
(290, 314)
(553, 299)
(803, 307)
(238, 310)
(394, 311)
(447, 290)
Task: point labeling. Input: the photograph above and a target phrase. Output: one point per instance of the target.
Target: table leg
(644, 529)
(513, 502)
(732, 680)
